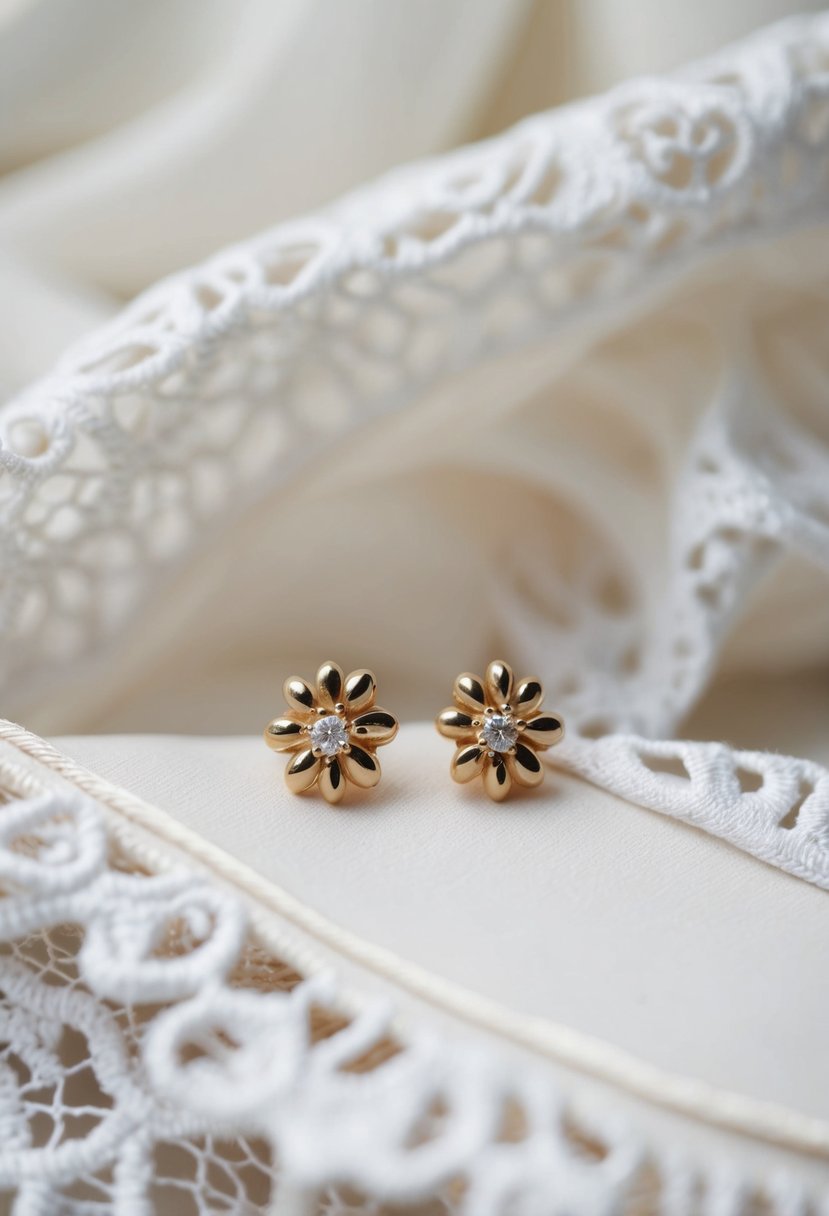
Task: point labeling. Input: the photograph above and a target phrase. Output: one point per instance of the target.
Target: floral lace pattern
(155, 1058)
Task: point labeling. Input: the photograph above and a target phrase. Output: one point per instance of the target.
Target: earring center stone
(329, 735)
(500, 732)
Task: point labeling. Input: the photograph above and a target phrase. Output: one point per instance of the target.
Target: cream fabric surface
(570, 905)
(655, 1140)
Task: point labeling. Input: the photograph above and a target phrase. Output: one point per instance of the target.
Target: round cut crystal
(329, 734)
(500, 732)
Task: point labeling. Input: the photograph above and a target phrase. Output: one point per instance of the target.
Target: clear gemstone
(329, 734)
(500, 732)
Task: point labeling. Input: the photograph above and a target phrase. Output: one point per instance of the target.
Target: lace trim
(153, 1045)
(772, 806)
(215, 383)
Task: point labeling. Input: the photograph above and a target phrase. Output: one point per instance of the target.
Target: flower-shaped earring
(498, 730)
(332, 731)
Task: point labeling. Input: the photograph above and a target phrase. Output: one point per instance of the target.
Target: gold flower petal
(360, 691)
(332, 781)
(302, 772)
(524, 766)
(467, 762)
(497, 781)
(330, 685)
(375, 727)
(469, 693)
(498, 683)
(455, 724)
(543, 731)
(527, 697)
(361, 767)
(299, 694)
(283, 734)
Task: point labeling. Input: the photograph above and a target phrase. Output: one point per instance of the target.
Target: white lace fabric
(158, 435)
(162, 1055)
(162, 437)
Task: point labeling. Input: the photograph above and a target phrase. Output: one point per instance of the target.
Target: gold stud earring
(498, 728)
(332, 731)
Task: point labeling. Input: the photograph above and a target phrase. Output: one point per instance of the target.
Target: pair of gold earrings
(332, 730)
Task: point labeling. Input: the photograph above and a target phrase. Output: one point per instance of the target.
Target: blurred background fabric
(139, 139)
(136, 139)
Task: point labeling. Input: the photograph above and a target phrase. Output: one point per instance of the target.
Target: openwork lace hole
(548, 187)
(433, 225)
(669, 766)
(28, 437)
(750, 780)
(285, 266)
(791, 817)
